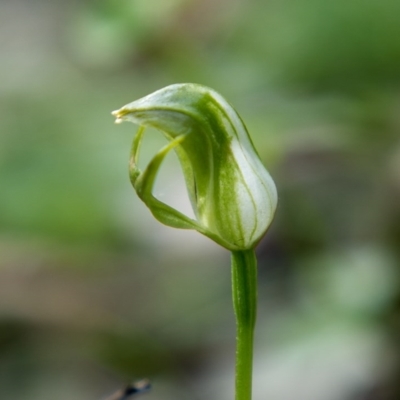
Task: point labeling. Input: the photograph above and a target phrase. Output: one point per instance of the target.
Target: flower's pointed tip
(118, 114)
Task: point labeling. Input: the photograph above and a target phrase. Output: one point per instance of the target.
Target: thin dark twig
(131, 390)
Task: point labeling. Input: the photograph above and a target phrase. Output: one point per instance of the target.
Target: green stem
(244, 288)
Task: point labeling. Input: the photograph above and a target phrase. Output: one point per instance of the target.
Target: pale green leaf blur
(95, 293)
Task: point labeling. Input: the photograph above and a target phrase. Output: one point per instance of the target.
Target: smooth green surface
(244, 290)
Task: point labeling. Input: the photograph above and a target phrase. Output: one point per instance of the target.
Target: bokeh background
(94, 293)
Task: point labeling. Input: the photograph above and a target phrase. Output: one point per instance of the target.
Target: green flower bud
(233, 196)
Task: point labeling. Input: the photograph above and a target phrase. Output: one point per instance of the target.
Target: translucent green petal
(144, 184)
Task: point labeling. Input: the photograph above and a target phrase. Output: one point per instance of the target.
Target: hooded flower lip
(232, 194)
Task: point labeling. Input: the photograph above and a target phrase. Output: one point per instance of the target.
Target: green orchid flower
(233, 196)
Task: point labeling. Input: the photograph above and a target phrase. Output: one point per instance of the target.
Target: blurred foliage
(94, 292)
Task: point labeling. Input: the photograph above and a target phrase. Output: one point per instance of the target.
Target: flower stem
(244, 289)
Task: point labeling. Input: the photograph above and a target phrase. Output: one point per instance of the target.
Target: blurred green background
(95, 293)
